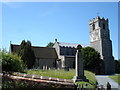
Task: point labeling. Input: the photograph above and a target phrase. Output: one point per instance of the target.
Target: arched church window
(103, 26)
(67, 51)
(60, 52)
(63, 50)
(73, 51)
(93, 26)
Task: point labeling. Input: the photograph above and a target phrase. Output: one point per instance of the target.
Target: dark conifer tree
(27, 54)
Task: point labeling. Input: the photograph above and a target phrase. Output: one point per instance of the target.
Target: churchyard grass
(116, 78)
(91, 77)
(84, 84)
(53, 73)
(64, 75)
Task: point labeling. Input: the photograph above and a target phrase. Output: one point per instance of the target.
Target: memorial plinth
(79, 66)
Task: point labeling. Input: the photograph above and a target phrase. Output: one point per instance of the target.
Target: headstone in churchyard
(79, 66)
(46, 67)
(43, 67)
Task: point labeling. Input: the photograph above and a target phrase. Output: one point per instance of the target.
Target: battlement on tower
(98, 19)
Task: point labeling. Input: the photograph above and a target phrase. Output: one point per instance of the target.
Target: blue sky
(42, 22)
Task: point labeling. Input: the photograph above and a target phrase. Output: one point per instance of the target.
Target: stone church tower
(100, 40)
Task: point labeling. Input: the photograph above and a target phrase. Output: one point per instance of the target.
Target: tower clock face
(94, 35)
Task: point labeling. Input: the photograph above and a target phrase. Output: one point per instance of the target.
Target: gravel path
(103, 79)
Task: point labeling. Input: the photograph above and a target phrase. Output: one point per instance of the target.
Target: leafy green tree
(27, 54)
(11, 62)
(50, 44)
(91, 59)
(117, 66)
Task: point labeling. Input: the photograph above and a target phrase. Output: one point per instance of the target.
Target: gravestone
(43, 67)
(46, 67)
(79, 66)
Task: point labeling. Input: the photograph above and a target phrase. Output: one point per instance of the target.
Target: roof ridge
(32, 46)
(71, 44)
(68, 42)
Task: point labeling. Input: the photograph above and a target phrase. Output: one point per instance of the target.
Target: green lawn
(53, 73)
(116, 78)
(64, 75)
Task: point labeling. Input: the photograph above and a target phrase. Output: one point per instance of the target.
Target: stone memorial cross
(79, 66)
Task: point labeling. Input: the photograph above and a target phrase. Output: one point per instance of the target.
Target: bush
(11, 62)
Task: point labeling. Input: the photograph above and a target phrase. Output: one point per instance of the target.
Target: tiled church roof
(40, 52)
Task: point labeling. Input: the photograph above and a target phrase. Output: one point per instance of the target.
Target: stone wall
(28, 82)
(97, 46)
(70, 62)
(43, 63)
(67, 51)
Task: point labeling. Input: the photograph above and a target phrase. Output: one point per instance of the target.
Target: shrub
(11, 62)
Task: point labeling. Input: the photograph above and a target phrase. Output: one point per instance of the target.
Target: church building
(62, 54)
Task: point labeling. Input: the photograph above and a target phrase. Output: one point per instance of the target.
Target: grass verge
(116, 78)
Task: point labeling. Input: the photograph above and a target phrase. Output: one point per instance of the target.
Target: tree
(50, 44)
(91, 59)
(117, 66)
(27, 54)
(11, 62)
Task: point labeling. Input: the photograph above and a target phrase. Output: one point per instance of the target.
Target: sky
(43, 22)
